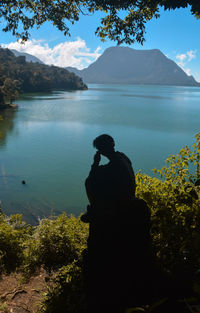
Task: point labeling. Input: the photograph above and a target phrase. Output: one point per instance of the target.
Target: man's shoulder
(122, 156)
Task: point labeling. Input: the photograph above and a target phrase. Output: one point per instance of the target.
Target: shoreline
(8, 106)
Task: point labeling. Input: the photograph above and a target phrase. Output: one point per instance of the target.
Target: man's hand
(97, 158)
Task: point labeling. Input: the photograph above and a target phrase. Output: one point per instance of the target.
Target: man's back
(113, 184)
(119, 238)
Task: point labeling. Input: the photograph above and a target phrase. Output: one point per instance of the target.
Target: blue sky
(175, 33)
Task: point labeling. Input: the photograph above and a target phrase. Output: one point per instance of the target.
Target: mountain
(130, 66)
(28, 57)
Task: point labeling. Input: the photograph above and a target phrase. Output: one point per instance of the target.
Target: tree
(17, 75)
(9, 90)
(22, 15)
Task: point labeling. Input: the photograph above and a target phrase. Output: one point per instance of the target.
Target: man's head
(104, 144)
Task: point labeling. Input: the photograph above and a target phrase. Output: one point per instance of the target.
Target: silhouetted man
(109, 187)
(119, 231)
(119, 268)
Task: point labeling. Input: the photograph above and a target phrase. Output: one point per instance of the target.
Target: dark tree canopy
(19, 16)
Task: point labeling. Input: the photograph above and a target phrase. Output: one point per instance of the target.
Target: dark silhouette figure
(117, 261)
(119, 268)
(109, 187)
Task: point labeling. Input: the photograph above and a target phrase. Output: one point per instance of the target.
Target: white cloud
(69, 53)
(181, 57)
(184, 58)
(191, 54)
(187, 71)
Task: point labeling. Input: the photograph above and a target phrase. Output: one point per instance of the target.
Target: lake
(47, 141)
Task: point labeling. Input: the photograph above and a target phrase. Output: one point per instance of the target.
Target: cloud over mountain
(184, 58)
(69, 53)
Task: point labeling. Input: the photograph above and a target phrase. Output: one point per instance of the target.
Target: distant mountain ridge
(125, 65)
(28, 57)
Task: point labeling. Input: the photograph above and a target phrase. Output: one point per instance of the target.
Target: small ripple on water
(53, 98)
(144, 96)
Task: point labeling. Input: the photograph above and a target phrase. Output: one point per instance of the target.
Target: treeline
(18, 76)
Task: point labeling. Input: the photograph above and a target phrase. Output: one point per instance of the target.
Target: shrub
(65, 291)
(55, 242)
(175, 206)
(13, 233)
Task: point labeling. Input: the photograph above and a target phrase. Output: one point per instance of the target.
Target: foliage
(174, 201)
(18, 75)
(123, 21)
(9, 90)
(13, 233)
(3, 307)
(65, 291)
(55, 242)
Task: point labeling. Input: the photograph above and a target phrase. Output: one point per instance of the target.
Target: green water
(48, 140)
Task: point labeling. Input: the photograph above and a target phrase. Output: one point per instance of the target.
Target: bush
(175, 207)
(13, 233)
(55, 242)
(65, 291)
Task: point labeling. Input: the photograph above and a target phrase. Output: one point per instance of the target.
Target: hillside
(28, 57)
(17, 75)
(130, 66)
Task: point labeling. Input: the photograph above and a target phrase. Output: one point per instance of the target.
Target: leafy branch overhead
(123, 21)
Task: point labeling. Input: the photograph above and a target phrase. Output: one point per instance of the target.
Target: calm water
(48, 140)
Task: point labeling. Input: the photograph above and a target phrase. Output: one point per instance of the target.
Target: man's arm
(91, 180)
(95, 165)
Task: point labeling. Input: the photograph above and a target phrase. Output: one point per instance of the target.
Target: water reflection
(6, 125)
